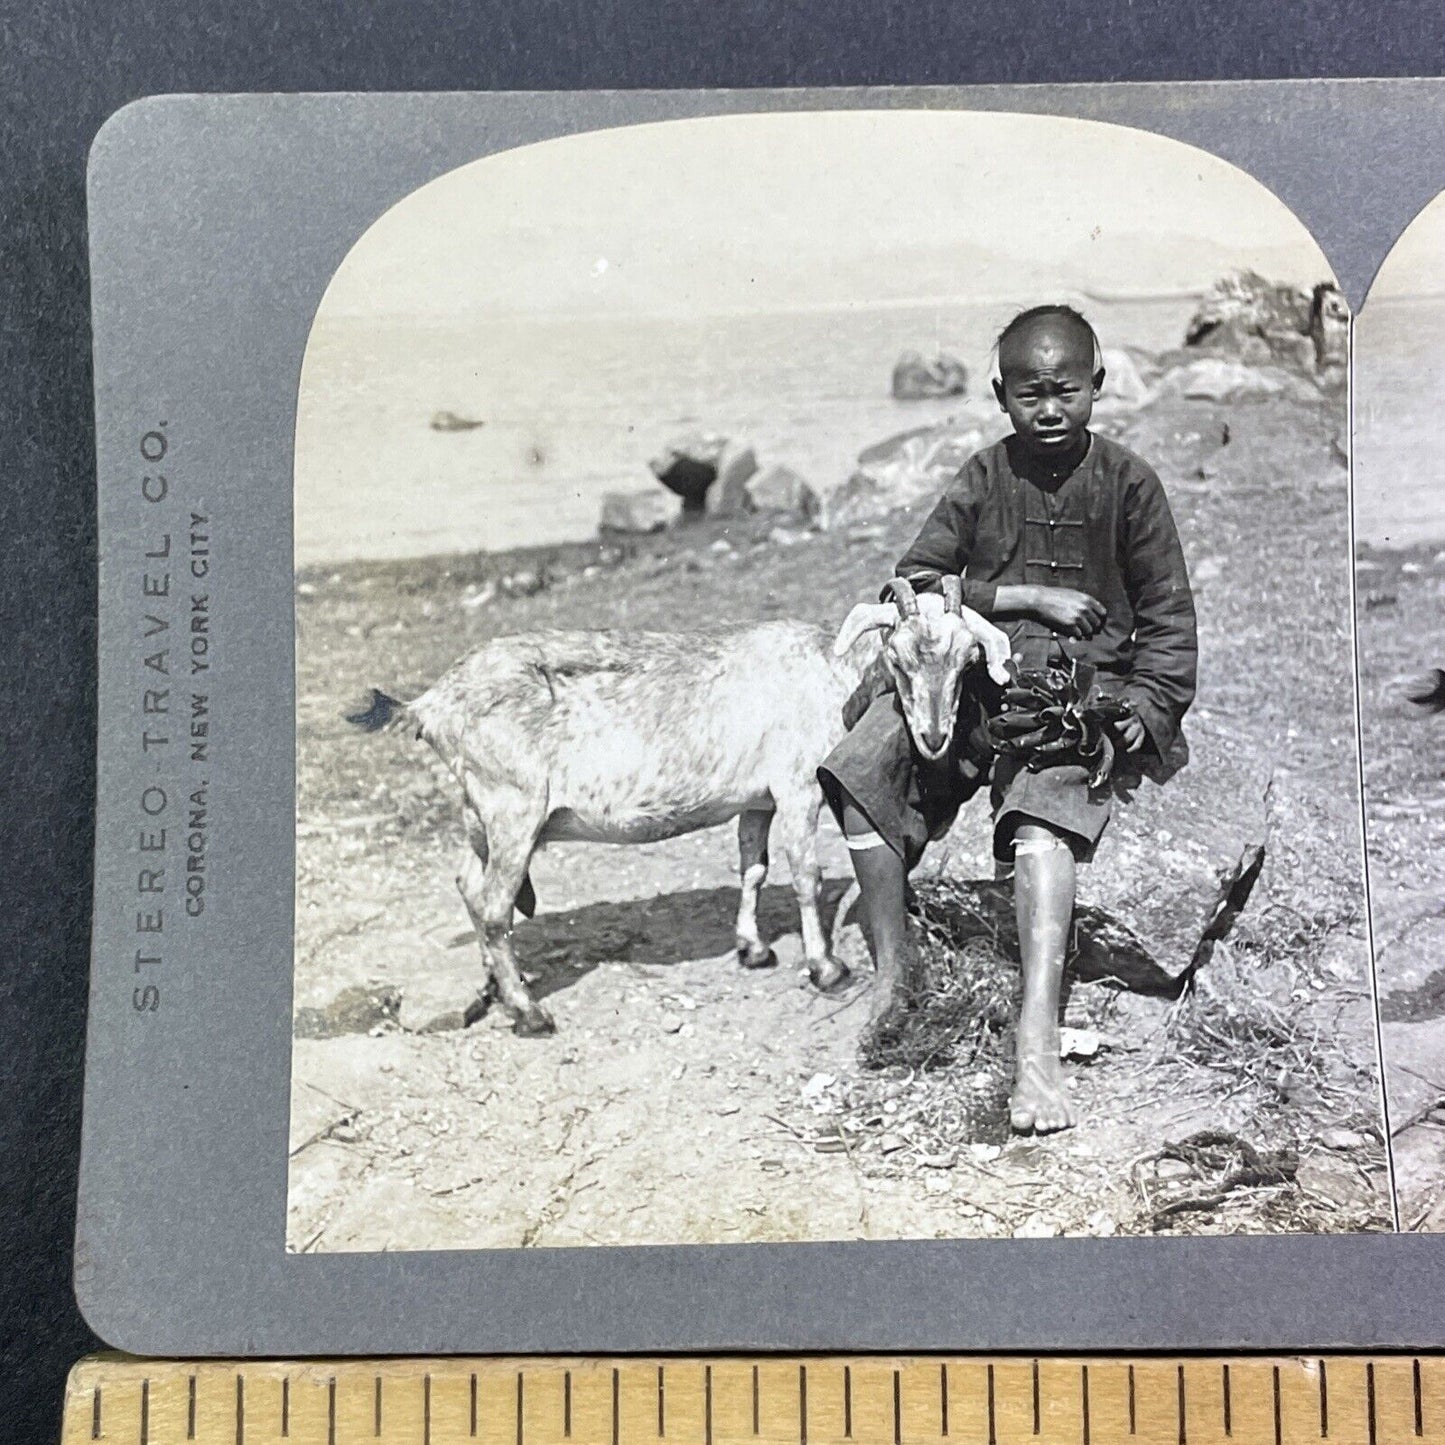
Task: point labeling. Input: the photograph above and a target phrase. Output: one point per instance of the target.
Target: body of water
(574, 408)
(1399, 440)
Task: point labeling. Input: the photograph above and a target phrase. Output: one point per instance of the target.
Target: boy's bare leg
(1044, 906)
(882, 884)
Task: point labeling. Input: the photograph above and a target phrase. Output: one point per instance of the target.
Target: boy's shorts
(910, 801)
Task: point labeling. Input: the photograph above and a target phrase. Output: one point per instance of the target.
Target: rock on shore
(451, 421)
(718, 477)
(781, 489)
(637, 513)
(708, 471)
(918, 379)
(903, 470)
(1255, 321)
(1124, 384)
(737, 467)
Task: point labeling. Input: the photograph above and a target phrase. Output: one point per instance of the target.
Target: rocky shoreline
(1249, 341)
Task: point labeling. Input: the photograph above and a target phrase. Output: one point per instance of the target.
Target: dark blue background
(64, 66)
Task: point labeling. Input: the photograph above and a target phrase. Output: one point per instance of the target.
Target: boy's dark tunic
(1105, 529)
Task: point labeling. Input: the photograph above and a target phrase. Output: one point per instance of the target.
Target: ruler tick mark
(755, 1402)
(376, 1406)
(847, 1403)
(992, 1417)
(426, 1409)
(566, 1405)
(803, 1405)
(1370, 1399)
(661, 1406)
(331, 1411)
(616, 1408)
(145, 1412)
(285, 1409)
(1084, 1402)
(474, 1405)
(1133, 1419)
(519, 1407)
(1036, 1397)
(1419, 1402)
(191, 1409)
(943, 1399)
(1183, 1437)
(240, 1409)
(897, 1408)
(1278, 1421)
(1228, 1405)
(707, 1405)
(1324, 1403)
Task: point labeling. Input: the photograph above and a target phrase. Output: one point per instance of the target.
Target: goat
(631, 737)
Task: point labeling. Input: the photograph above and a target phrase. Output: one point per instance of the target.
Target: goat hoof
(828, 975)
(533, 1023)
(752, 958)
(478, 1007)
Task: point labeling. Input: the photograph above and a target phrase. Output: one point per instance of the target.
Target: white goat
(630, 737)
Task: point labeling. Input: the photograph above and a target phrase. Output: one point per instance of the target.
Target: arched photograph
(1399, 372)
(825, 700)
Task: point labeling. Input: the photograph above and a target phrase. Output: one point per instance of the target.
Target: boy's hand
(1131, 732)
(1073, 613)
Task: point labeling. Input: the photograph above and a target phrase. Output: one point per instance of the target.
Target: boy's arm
(945, 542)
(1166, 642)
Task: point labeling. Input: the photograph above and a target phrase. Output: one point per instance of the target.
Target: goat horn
(904, 596)
(953, 594)
(865, 617)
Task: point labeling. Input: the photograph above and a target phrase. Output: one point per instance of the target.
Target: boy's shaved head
(1050, 370)
(1057, 328)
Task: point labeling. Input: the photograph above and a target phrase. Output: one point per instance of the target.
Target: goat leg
(489, 889)
(495, 938)
(798, 825)
(753, 828)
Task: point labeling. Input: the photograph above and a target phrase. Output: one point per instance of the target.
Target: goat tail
(1427, 690)
(381, 713)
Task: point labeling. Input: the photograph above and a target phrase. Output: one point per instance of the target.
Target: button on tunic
(1105, 529)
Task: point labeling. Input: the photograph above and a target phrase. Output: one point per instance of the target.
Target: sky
(587, 298)
(818, 210)
(1399, 380)
(1416, 263)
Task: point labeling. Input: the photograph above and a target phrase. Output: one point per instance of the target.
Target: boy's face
(1047, 385)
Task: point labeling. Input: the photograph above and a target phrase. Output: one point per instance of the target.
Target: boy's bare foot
(1039, 1102)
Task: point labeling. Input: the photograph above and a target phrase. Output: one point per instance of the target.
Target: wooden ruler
(770, 1400)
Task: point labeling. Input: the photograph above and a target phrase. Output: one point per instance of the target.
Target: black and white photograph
(825, 699)
(1399, 372)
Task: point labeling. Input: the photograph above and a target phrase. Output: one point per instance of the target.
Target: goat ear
(997, 649)
(865, 617)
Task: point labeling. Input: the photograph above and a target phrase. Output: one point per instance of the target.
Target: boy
(1068, 543)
